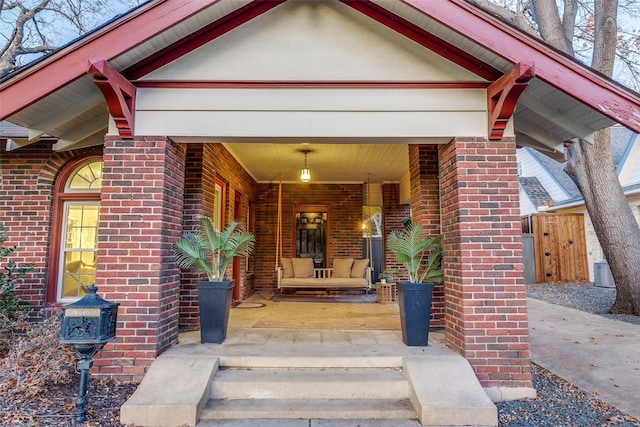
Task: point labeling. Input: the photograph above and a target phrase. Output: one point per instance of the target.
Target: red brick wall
(393, 214)
(205, 163)
(485, 295)
(344, 202)
(425, 208)
(26, 198)
(140, 218)
(425, 187)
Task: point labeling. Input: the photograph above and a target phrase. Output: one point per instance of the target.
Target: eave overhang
(70, 64)
(558, 70)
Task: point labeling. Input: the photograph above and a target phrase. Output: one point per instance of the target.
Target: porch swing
(293, 273)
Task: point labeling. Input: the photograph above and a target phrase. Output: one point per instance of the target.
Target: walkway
(597, 354)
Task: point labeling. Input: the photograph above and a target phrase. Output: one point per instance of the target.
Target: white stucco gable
(311, 41)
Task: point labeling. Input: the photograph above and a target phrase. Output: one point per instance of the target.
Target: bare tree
(30, 29)
(593, 26)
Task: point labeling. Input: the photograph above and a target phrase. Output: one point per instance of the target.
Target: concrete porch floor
(310, 331)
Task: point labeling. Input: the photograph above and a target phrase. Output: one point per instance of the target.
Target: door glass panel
(311, 236)
(79, 248)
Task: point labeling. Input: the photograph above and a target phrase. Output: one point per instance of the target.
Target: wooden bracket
(119, 93)
(503, 94)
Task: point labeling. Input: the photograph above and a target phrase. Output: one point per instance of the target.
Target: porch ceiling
(74, 111)
(344, 163)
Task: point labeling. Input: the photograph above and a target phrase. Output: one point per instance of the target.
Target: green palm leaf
(210, 251)
(410, 247)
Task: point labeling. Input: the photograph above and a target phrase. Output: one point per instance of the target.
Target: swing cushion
(359, 268)
(342, 267)
(287, 268)
(302, 267)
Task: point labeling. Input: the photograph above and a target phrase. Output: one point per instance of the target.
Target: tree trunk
(550, 27)
(591, 167)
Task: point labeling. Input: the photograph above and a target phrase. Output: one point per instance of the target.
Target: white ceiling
(345, 163)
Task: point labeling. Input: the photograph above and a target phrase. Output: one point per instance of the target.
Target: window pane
(79, 249)
(88, 177)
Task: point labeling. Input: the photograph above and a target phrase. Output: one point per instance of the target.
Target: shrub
(37, 359)
(12, 308)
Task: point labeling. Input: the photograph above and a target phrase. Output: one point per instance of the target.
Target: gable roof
(565, 99)
(535, 190)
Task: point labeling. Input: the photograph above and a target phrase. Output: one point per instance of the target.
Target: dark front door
(311, 237)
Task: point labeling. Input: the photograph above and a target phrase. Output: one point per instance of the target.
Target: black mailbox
(87, 325)
(90, 320)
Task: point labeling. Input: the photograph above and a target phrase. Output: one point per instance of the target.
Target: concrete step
(352, 383)
(442, 390)
(308, 408)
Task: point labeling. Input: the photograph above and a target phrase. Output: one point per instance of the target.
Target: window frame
(62, 195)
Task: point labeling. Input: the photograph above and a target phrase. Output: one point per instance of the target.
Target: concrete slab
(447, 392)
(309, 408)
(597, 354)
(283, 422)
(173, 392)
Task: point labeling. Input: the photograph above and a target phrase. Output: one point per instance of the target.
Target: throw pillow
(287, 268)
(359, 267)
(342, 267)
(302, 267)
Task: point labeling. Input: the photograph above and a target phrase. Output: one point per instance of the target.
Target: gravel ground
(559, 403)
(581, 296)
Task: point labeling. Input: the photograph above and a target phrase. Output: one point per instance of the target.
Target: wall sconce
(305, 174)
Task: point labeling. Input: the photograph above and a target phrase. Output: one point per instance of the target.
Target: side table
(386, 293)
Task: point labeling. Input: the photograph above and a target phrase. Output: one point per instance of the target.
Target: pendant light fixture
(305, 174)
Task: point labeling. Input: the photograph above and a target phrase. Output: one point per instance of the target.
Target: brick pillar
(486, 318)
(199, 196)
(140, 218)
(425, 208)
(392, 215)
(425, 187)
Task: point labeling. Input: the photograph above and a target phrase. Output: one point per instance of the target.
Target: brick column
(425, 208)
(140, 218)
(425, 187)
(392, 215)
(486, 318)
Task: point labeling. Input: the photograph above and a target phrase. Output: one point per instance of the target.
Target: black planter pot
(215, 305)
(415, 311)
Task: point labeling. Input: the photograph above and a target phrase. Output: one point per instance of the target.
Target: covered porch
(312, 356)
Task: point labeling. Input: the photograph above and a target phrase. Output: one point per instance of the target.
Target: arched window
(75, 233)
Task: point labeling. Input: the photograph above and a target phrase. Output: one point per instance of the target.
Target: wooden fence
(560, 249)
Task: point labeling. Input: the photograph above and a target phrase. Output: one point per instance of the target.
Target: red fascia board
(425, 39)
(200, 38)
(70, 64)
(560, 71)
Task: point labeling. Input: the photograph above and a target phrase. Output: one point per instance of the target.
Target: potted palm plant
(421, 255)
(210, 251)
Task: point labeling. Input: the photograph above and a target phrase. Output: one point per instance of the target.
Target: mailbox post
(87, 325)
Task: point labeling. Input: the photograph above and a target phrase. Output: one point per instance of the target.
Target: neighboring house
(545, 187)
(179, 109)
